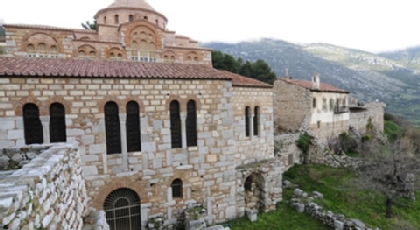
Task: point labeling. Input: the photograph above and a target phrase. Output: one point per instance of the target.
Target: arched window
(191, 123)
(176, 188)
(176, 135)
(116, 19)
(145, 18)
(130, 18)
(30, 47)
(122, 207)
(256, 120)
(248, 183)
(82, 53)
(53, 49)
(112, 124)
(247, 121)
(105, 19)
(111, 55)
(32, 124)
(119, 55)
(92, 53)
(133, 127)
(42, 47)
(332, 104)
(314, 103)
(57, 123)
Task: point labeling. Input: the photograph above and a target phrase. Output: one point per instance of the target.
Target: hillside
(385, 77)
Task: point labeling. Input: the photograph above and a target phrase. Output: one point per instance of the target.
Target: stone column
(184, 129)
(123, 134)
(45, 120)
(251, 126)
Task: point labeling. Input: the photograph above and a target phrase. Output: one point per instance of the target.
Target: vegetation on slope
(368, 207)
(259, 69)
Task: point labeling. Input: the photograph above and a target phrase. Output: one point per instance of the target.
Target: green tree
(259, 70)
(90, 25)
(262, 72)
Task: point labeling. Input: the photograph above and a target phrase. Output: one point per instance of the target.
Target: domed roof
(131, 4)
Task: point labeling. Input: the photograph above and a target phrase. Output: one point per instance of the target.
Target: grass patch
(367, 206)
(284, 217)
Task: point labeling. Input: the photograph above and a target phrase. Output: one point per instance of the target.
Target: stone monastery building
(158, 128)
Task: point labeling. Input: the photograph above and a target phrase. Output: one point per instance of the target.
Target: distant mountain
(388, 77)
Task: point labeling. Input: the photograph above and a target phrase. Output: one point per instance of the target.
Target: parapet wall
(359, 120)
(46, 193)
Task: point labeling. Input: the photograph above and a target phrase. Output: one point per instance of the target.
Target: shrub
(304, 142)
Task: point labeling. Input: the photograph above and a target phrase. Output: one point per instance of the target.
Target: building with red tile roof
(311, 106)
(157, 126)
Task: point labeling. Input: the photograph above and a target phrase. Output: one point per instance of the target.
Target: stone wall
(207, 171)
(47, 193)
(287, 151)
(253, 147)
(359, 117)
(292, 104)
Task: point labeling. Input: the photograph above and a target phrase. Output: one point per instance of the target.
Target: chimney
(287, 73)
(316, 82)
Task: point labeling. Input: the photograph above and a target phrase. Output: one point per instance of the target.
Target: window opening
(133, 127)
(32, 124)
(123, 211)
(112, 124)
(176, 188)
(191, 123)
(247, 117)
(256, 120)
(57, 123)
(176, 135)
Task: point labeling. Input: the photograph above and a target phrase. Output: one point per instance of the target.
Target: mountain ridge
(389, 77)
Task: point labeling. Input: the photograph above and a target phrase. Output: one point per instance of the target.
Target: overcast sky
(373, 25)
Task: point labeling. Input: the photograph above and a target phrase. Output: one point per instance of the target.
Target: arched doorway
(253, 192)
(123, 212)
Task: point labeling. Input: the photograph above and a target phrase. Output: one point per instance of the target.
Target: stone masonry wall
(292, 104)
(287, 151)
(47, 193)
(372, 110)
(254, 147)
(207, 171)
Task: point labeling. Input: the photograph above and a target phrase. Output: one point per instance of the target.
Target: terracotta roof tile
(308, 85)
(45, 27)
(99, 68)
(238, 80)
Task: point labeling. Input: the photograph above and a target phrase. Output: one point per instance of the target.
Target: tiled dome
(131, 4)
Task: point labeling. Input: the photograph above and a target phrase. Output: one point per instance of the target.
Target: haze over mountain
(390, 77)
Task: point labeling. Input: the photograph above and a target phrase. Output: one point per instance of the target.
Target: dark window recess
(133, 127)
(191, 124)
(32, 124)
(57, 123)
(112, 124)
(256, 120)
(176, 188)
(248, 183)
(176, 135)
(122, 207)
(247, 115)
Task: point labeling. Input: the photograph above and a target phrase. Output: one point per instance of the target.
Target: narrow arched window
(248, 183)
(247, 121)
(112, 128)
(105, 19)
(314, 103)
(57, 123)
(256, 120)
(133, 127)
(130, 18)
(176, 188)
(116, 19)
(176, 135)
(191, 123)
(32, 124)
